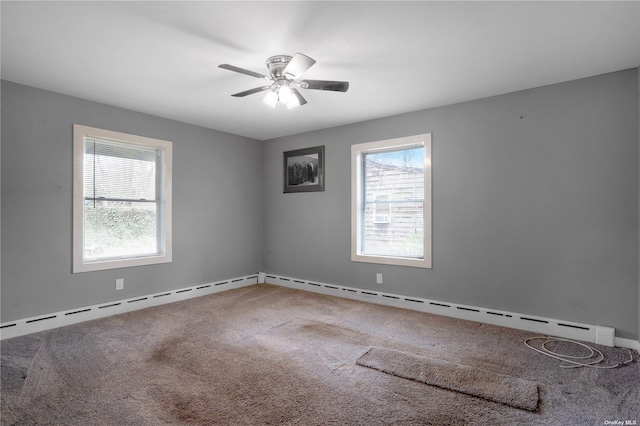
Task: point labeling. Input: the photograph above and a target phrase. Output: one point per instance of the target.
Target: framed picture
(304, 170)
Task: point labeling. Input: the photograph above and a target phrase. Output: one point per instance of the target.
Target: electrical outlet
(120, 284)
(379, 278)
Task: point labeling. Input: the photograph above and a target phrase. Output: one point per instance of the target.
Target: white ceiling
(162, 58)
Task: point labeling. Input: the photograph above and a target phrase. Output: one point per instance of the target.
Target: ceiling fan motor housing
(277, 64)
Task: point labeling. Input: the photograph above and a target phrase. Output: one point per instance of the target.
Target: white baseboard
(60, 319)
(628, 343)
(567, 329)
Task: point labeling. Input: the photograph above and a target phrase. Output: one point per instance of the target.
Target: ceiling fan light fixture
(297, 100)
(285, 95)
(271, 99)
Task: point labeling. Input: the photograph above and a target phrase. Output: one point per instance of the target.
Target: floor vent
(86, 313)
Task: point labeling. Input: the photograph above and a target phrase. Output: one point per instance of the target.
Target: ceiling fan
(285, 72)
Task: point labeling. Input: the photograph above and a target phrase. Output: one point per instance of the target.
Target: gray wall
(535, 204)
(217, 228)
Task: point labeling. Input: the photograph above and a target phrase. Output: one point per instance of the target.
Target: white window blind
(122, 200)
(121, 204)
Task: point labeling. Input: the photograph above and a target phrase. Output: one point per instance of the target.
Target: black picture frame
(304, 170)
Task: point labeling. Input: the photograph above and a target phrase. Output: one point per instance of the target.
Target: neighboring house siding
(403, 225)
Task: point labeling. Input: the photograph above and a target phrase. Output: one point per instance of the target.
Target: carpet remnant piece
(496, 387)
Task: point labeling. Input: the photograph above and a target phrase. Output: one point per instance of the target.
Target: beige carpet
(473, 381)
(265, 355)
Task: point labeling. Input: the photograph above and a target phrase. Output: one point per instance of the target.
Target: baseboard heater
(571, 330)
(60, 319)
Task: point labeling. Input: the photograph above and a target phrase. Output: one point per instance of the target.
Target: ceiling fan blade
(299, 97)
(243, 71)
(336, 86)
(298, 64)
(251, 91)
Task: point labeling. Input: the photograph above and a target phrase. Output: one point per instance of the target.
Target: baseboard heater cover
(86, 313)
(571, 330)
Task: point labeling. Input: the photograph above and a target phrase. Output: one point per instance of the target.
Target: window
(121, 200)
(391, 201)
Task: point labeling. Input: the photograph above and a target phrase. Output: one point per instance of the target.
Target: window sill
(101, 265)
(389, 260)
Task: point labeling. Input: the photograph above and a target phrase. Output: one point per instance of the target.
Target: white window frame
(357, 200)
(79, 263)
